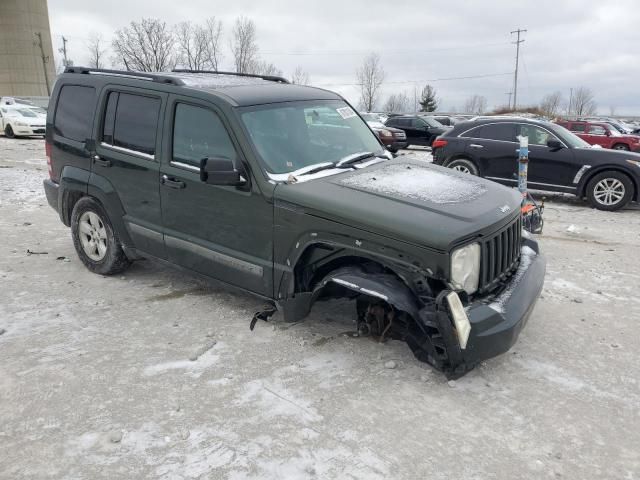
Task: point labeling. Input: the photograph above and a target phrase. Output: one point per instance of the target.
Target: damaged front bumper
(495, 325)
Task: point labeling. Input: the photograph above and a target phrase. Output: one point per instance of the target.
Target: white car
(21, 120)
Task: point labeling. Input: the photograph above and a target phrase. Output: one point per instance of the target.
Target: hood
(408, 200)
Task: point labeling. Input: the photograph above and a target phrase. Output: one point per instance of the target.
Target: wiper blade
(354, 158)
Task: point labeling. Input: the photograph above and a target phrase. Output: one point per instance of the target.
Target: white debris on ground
(416, 182)
(96, 379)
(527, 254)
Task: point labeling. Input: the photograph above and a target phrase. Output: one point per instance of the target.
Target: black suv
(559, 161)
(284, 191)
(419, 130)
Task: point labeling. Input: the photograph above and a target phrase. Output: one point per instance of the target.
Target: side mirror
(607, 133)
(554, 144)
(220, 171)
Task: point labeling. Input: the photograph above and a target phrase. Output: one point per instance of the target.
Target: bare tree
(396, 103)
(191, 43)
(146, 46)
(213, 50)
(300, 77)
(550, 104)
(612, 110)
(583, 102)
(265, 68)
(475, 104)
(97, 52)
(370, 76)
(244, 47)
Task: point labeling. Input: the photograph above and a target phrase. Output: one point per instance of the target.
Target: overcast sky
(568, 44)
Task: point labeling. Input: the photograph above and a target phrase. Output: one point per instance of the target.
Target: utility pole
(515, 80)
(63, 51)
(45, 59)
(570, 101)
(509, 102)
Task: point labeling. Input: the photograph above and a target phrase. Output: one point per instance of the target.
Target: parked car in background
(374, 117)
(419, 130)
(602, 133)
(392, 138)
(559, 161)
(446, 120)
(20, 120)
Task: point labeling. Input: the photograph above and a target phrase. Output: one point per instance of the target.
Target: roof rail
(154, 77)
(270, 78)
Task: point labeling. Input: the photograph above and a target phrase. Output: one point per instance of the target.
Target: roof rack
(270, 78)
(154, 77)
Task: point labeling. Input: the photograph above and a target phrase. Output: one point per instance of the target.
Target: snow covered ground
(97, 378)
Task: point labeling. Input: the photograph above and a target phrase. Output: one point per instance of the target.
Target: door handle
(475, 145)
(172, 182)
(99, 161)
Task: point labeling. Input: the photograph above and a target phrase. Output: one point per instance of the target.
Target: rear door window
(198, 133)
(578, 127)
(74, 112)
(498, 131)
(136, 122)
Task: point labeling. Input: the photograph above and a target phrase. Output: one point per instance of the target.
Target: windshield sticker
(346, 112)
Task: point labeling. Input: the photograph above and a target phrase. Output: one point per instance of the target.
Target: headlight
(465, 267)
(20, 124)
(634, 162)
(385, 133)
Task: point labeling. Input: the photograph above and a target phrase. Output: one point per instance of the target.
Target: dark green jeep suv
(285, 192)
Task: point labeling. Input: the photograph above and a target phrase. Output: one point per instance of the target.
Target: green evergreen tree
(428, 100)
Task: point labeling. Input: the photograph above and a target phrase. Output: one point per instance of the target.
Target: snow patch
(192, 368)
(527, 255)
(418, 183)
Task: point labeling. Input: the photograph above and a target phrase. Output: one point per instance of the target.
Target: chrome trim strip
(185, 166)
(126, 150)
(529, 182)
(212, 255)
(580, 173)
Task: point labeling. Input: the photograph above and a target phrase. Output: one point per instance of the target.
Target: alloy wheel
(461, 168)
(93, 236)
(609, 191)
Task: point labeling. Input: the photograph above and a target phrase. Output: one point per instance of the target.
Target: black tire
(113, 259)
(609, 191)
(621, 146)
(464, 165)
(392, 149)
(8, 131)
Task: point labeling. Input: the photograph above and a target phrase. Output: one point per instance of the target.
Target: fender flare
(581, 188)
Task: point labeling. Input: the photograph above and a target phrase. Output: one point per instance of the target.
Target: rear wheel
(464, 165)
(610, 191)
(8, 131)
(621, 146)
(95, 240)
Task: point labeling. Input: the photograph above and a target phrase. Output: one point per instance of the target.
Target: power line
(515, 80)
(45, 59)
(469, 77)
(394, 52)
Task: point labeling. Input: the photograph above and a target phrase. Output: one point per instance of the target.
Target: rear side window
(74, 112)
(131, 122)
(198, 133)
(578, 127)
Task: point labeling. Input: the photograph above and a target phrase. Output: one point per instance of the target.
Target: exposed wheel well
(585, 182)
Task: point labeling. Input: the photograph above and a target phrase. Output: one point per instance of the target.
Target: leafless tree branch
(370, 76)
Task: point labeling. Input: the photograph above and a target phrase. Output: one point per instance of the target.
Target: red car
(603, 134)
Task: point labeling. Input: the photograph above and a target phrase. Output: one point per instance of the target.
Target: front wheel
(621, 146)
(465, 166)
(95, 240)
(8, 131)
(610, 191)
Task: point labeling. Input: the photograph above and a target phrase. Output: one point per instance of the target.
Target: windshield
(25, 112)
(293, 135)
(573, 141)
(370, 117)
(38, 110)
(432, 122)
